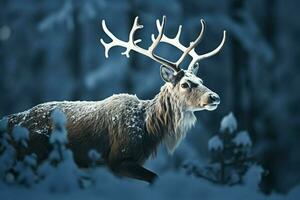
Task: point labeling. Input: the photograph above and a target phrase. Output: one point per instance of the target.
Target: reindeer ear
(167, 74)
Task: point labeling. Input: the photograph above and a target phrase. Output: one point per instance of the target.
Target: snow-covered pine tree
(231, 152)
(58, 138)
(7, 151)
(24, 169)
(60, 162)
(230, 155)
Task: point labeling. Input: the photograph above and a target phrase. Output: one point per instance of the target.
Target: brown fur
(124, 129)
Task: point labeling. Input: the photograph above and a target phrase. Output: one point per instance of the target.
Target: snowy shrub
(23, 170)
(26, 170)
(58, 138)
(7, 151)
(60, 164)
(13, 170)
(253, 176)
(62, 177)
(20, 136)
(230, 155)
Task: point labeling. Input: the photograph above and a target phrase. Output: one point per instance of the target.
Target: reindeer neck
(167, 118)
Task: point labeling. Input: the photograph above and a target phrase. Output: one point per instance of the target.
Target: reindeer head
(183, 84)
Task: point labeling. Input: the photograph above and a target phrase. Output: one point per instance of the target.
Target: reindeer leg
(134, 170)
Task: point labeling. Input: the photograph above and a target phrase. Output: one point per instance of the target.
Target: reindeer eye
(184, 85)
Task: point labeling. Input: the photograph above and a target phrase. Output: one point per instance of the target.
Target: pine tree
(231, 152)
(231, 155)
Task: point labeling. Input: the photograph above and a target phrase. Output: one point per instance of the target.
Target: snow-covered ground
(171, 185)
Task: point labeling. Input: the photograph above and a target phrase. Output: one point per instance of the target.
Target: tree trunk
(238, 65)
(75, 56)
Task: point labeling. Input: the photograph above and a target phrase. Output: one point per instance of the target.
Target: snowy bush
(26, 170)
(58, 138)
(14, 168)
(20, 136)
(230, 155)
(60, 164)
(7, 151)
(253, 176)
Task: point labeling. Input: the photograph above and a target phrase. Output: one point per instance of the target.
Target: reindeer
(125, 129)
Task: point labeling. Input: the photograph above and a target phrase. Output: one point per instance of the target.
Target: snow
(58, 117)
(6, 159)
(242, 138)
(253, 176)
(3, 124)
(20, 135)
(171, 185)
(60, 164)
(26, 175)
(7, 152)
(228, 123)
(94, 156)
(58, 137)
(30, 160)
(62, 178)
(59, 134)
(215, 143)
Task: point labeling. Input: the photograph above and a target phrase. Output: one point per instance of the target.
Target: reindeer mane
(166, 116)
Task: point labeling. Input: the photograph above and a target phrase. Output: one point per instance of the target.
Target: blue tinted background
(51, 50)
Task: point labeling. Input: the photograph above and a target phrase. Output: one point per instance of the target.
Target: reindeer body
(124, 129)
(121, 127)
(115, 127)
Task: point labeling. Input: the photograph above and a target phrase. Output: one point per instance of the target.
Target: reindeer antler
(132, 44)
(161, 37)
(191, 49)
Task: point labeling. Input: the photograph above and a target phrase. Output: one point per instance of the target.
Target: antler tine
(209, 54)
(160, 28)
(107, 46)
(192, 44)
(191, 49)
(134, 28)
(156, 41)
(116, 42)
(132, 44)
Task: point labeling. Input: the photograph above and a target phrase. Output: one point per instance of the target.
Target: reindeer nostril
(214, 98)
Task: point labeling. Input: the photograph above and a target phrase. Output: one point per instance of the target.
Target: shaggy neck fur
(167, 118)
